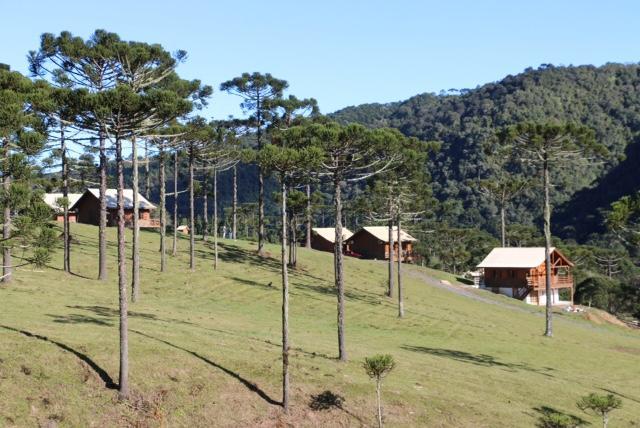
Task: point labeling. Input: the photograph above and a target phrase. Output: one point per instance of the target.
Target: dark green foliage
(378, 366)
(600, 405)
(602, 98)
(552, 418)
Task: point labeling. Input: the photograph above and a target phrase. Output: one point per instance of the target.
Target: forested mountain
(606, 99)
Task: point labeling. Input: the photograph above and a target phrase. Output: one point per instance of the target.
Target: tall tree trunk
(163, 209)
(122, 280)
(400, 257)
(215, 218)
(147, 177)
(285, 301)
(65, 193)
(294, 241)
(308, 218)
(174, 250)
(391, 261)
(6, 226)
(135, 245)
(338, 262)
(102, 227)
(234, 207)
(547, 247)
(379, 403)
(205, 207)
(503, 225)
(261, 237)
(192, 229)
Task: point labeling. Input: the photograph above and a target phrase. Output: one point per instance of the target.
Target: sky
(344, 52)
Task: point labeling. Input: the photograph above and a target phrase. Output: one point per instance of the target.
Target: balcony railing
(538, 282)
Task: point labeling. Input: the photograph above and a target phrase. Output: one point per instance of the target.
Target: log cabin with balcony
(87, 208)
(520, 273)
(372, 242)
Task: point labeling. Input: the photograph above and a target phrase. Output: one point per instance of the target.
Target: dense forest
(605, 99)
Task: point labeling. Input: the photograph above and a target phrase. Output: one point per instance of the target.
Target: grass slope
(204, 347)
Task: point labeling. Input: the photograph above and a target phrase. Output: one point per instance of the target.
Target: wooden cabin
(324, 238)
(87, 208)
(52, 199)
(183, 229)
(372, 242)
(520, 273)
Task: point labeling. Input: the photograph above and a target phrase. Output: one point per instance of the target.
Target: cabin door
(533, 297)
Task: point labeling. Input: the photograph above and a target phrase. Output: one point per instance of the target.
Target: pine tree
(547, 146)
(257, 91)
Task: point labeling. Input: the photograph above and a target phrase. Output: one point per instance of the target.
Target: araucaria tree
(127, 112)
(502, 183)
(378, 367)
(400, 194)
(90, 65)
(219, 155)
(601, 405)
(198, 136)
(22, 134)
(287, 162)
(257, 91)
(549, 147)
(351, 153)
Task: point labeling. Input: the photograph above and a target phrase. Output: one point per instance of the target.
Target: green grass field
(204, 347)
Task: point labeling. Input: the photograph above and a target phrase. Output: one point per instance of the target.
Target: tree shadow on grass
(328, 400)
(251, 283)
(371, 299)
(233, 254)
(483, 360)
(250, 385)
(107, 312)
(70, 273)
(626, 397)
(108, 382)
(79, 319)
(548, 417)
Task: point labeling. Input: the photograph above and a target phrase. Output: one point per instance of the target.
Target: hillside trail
(461, 290)
(506, 302)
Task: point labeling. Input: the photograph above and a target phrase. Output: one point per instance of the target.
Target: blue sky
(345, 52)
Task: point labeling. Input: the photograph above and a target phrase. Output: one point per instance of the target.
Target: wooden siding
(370, 247)
(533, 279)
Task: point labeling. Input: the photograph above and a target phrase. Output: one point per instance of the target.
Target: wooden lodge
(372, 242)
(520, 273)
(183, 229)
(87, 208)
(52, 199)
(324, 238)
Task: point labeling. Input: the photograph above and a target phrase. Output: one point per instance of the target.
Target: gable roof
(112, 199)
(382, 233)
(329, 233)
(517, 257)
(51, 199)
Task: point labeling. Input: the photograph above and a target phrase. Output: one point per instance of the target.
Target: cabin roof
(182, 227)
(112, 199)
(517, 257)
(329, 233)
(51, 199)
(382, 233)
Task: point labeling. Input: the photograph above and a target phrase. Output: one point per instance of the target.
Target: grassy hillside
(204, 348)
